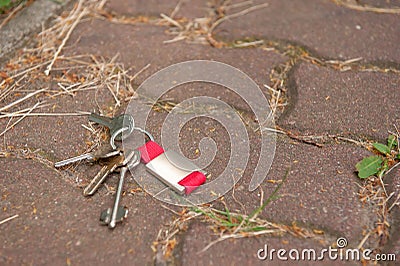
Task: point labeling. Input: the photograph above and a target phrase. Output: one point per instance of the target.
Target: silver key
(105, 151)
(107, 169)
(115, 124)
(118, 213)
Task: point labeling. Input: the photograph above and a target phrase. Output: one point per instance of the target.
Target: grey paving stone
(19, 30)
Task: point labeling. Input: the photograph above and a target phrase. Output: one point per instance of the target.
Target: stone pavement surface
(329, 108)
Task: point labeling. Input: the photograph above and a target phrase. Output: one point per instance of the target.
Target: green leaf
(369, 166)
(392, 142)
(382, 148)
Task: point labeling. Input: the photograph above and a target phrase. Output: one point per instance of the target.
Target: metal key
(118, 213)
(107, 169)
(105, 151)
(115, 124)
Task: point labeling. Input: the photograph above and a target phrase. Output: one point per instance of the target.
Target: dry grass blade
(172, 21)
(81, 113)
(235, 15)
(11, 14)
(20, 119)
(395, 203)
(166, 240)
(21, 99)
(248, 44)
(64, 41)
(9, 219)
(235, 225)
(367, 8)
(237, 5)
(176, 9)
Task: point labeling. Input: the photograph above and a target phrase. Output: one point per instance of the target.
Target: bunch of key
(113, 159)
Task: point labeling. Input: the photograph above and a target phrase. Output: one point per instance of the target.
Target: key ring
(121, 130)
(145, 132)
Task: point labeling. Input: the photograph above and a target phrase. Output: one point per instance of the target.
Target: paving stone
(18, 31)
(327, 101)
(331, 31)
(140, 45)
(187, 8)
(144, 8)
(56, 136)
(320, 191)
(58, 225)
(381, 3)
(244, 251)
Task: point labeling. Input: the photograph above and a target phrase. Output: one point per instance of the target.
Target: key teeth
(105, 216)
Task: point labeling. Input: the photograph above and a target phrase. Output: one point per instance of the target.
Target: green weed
(379, 164)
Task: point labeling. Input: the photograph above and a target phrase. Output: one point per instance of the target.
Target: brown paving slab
(330, 30)
(144, 8)
(57, 223)
(139, 45)
(192, 9)
(56, 136)
(321, 177)
(187, 8)
(314, 197)
(326, 101)
(320, 191)
(66, 137)
(244, 251)
(381, 3)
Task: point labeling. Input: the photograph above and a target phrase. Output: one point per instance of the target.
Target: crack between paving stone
(36, 155)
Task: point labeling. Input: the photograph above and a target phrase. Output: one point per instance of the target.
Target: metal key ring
(121, 130)
(145, 132)
(116, 133)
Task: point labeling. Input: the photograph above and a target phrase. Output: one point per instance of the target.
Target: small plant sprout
(379, 164)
